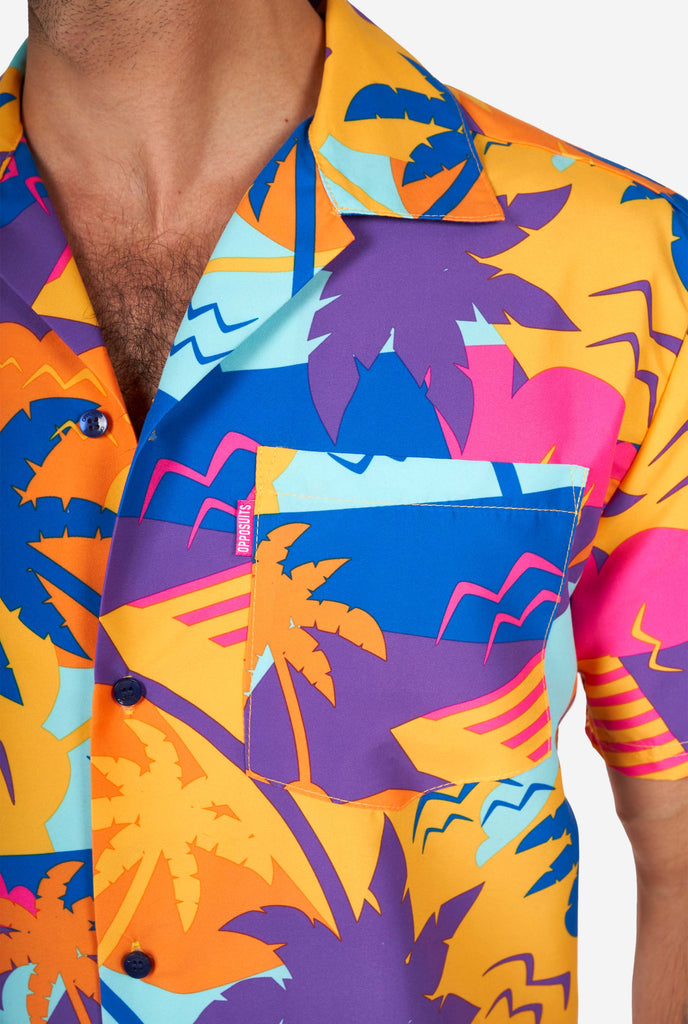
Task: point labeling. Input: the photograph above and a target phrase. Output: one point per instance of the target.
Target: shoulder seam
(568, 149)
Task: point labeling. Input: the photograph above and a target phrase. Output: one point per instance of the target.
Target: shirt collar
(387, 136)
(386, 139)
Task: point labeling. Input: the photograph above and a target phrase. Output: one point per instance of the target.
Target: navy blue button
(93, 423)
(128, 691)
(137, 964)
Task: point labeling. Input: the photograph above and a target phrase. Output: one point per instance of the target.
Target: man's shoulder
(495, 128)
(609, 216)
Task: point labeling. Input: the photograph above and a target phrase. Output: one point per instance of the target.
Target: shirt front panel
(430, 420)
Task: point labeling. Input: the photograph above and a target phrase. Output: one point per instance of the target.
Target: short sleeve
(630, 607)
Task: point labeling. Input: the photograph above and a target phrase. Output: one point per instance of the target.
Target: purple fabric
(518, 379)
(470, 123)
(666, 691)
(79, 336)
(600, 557)
(352, 752)
(620, 502)
(140, 575)
(375, 969)
(64, 1012)
(585, 531)
(668, 341)
(6, 771)
(381, 283)
(364, 16)
(36, 241)
(15, 310)
(679, 433)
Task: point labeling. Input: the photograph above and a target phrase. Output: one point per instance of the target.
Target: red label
(244, 527)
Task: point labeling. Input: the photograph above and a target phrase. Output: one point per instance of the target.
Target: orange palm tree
(53, 940)
(37, 775)
(142, 807)
(284, 613)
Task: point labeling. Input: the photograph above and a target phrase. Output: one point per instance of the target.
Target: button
(137, 964)
(128, 691)
(93, 423)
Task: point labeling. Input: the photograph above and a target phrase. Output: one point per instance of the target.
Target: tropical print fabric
(419, 452)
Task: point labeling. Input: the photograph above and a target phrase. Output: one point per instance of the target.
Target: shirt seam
(581, 156)
(418, 504)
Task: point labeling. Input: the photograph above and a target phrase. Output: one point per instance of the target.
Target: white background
(609, 77)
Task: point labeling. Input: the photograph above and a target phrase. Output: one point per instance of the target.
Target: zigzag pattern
(528, 960)
(76, 378)
(535, 787)
(464, 588)
(638, 633)
(668, 341)
(507, 995)
(427, 798)
(644, 376)
(230, 443)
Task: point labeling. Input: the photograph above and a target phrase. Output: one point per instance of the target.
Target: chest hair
(140, 292)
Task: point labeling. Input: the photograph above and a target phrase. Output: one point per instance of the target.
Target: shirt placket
(168, 588)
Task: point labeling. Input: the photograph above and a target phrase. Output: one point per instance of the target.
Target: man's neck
(160, 104)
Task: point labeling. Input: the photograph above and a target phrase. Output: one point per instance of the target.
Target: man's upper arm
(655, 817)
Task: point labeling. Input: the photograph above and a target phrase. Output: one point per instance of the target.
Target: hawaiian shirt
(282, 678)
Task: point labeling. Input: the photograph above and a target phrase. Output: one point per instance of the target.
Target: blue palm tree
(26, 442)
(442, 150)
(554, 827)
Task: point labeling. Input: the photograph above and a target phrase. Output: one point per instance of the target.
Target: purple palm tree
(374, 971)
(417, 278)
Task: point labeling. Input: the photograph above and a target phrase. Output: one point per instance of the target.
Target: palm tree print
(440, 151)
(35, 766)
(421, 306)
(53, 940)
(375, 979)
(202, 817)
(285, 610)
(29, 574)
(556, 825)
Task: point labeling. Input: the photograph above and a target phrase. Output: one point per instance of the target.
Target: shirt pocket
(399, 614)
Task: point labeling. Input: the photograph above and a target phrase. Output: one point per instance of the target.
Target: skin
(106, 81)
(149, 120)
(654, 815)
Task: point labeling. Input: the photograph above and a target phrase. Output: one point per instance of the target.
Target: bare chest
(140, 293)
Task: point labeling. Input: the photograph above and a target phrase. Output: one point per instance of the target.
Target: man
(344, 417)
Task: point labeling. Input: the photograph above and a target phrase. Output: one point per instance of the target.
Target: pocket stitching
(425, 504)
(574, 513)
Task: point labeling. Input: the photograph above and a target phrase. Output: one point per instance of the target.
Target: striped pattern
(624, 727)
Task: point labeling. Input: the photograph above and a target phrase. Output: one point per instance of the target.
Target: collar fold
(388, 137)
